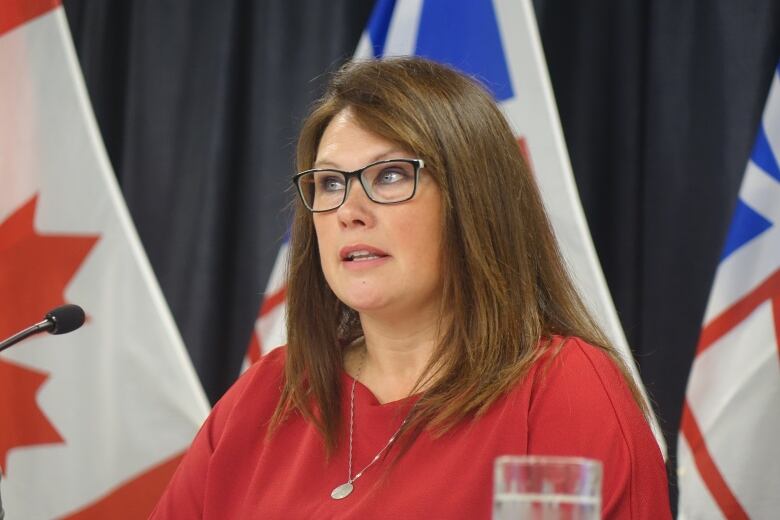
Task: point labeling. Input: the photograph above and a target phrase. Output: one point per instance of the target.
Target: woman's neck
(393, 357)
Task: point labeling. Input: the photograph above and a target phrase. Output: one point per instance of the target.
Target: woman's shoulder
(255, 393)
(270, 366)
(231, 430)
(264, 374)
(582, 376)
(578, 387)
(579, 362)
(581, 404)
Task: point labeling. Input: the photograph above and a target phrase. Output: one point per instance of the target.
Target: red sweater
(577, 404)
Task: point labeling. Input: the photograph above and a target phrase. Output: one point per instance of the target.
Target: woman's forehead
(348, 144)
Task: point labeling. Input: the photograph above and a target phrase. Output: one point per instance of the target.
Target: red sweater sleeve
(581, 406)
(184, 496)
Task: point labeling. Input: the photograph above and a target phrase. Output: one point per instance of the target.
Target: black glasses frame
(417, 163)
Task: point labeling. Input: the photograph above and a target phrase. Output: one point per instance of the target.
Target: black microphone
(63, 319)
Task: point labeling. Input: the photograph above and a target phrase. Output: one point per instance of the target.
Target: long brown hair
(506, 289)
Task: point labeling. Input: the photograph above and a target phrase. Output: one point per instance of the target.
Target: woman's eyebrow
(395, 153)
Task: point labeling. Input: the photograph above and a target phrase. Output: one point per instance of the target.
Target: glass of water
(531, 487)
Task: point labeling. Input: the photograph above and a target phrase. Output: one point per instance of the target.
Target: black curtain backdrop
(660, 102)
(199, 104)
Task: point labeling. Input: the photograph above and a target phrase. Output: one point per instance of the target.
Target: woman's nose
(356, 209)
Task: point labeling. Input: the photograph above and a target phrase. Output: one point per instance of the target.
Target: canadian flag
(93, 423)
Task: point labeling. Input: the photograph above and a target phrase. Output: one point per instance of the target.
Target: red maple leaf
(35, 268)
(26, 425)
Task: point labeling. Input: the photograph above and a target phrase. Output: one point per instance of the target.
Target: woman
(431, 328)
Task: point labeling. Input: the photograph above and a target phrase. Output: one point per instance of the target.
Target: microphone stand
(19, 336)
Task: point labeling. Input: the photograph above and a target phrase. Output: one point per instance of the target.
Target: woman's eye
(390, 176)
(331, 183)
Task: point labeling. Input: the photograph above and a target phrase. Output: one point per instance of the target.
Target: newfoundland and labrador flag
(92, 423)
(729, 448)
(497, 42)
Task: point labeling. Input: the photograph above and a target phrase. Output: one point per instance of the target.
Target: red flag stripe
(270, 303)
(776, 314)
(14, 13)
(710, 474)
(273, 300)
(255, 348)
(731, 317)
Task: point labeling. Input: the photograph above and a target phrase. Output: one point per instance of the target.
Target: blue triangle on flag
(745, 226)
(379, 24)
(464, 34)
(763, 156)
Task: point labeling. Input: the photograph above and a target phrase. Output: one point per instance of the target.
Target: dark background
(199, 104)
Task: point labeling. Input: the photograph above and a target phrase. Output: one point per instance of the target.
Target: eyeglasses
(385, 182)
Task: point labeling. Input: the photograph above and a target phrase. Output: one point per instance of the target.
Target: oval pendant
(341, 491)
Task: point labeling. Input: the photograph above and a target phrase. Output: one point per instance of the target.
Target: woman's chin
(365, 303)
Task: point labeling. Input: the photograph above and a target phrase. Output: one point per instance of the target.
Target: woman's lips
(356, 265)
(361, 256)
(360, 253)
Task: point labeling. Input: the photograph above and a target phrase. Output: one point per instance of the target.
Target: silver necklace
(344, 490)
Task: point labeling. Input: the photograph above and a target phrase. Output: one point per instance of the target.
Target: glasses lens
(322, 190)
(389, 181)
